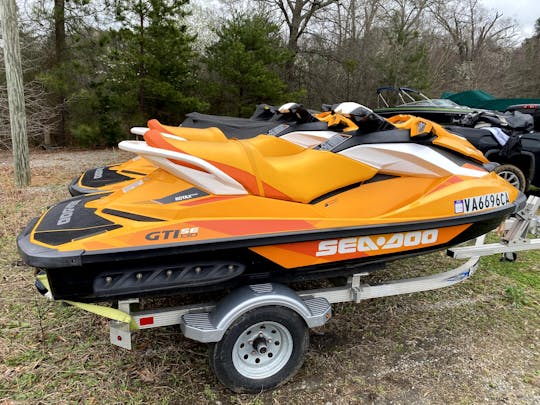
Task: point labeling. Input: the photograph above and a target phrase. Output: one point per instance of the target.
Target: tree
(246, 61)
(59, 58)
(472, 28)
(405, 61)
(522, 77)
(297, 15)
(42, 116)
(479, 38)
(152, 60)
(12, 57)
(360, 46)
(59, 33)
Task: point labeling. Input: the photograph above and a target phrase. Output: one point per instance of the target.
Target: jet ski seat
(272, 167)
(211, 134)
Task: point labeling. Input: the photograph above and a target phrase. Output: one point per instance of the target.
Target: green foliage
(141, 68)
(151, 60)
(135, 59)
(406, 61)
(245, 64)
(516, 296)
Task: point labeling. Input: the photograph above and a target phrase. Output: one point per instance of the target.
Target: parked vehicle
(532, 109)
(508, 138)
(265, 120)
(254, 215)
(519, 157)
(404, 100)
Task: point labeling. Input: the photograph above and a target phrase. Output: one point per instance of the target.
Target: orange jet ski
(266, 120)
(222, 214)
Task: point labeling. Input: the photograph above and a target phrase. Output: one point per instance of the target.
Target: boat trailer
(258, 333)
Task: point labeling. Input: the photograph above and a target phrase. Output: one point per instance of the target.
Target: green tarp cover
(481, 99)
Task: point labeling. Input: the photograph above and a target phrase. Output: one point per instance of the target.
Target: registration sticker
(482, 202)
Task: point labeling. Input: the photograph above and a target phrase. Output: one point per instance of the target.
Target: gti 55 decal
(377, 242)
(482, 202)
(170, 234)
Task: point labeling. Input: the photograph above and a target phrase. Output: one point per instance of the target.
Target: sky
(526, 12)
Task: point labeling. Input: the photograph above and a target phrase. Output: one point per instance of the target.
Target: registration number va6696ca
(481, 202)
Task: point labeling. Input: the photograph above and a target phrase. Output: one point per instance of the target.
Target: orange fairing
(211, 134)
(300, 254)
(416, 125)
(419, 126)
(272, 167)
(333, 119)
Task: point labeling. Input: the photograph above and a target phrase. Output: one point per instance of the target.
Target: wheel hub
(260, 345)
(262, 350)
(510, 178)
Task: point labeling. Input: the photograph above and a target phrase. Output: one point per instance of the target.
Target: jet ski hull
(171, 268)
(216, 214)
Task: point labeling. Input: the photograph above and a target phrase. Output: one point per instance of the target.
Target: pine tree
(246, 61)
(151, 58)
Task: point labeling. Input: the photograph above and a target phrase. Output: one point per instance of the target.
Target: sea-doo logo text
(378, 242)
(173, 234)
(67, 213)
(98, 174)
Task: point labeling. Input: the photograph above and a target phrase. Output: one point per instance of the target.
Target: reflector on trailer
(149, 320)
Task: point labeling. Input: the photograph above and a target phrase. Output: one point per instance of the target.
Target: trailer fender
(210, 326)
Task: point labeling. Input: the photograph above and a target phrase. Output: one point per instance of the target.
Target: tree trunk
(59, 30)
(47, 141)
(141, 56)
(60, 50)
(14, 78)
(297, 15)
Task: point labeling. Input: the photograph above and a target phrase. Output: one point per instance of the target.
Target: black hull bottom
(194, 273)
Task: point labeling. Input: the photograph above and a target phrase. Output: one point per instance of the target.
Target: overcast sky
(526, 12)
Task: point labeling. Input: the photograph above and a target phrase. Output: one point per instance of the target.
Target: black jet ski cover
(276, 124)
(263, 112)
(511, 121)
(240, 128)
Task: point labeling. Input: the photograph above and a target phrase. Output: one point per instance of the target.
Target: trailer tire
(261, 350)
(513, 175)
(509, 257)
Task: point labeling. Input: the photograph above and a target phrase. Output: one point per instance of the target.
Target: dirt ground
(477, 342)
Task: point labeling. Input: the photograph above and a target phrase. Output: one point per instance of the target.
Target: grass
(478, 341)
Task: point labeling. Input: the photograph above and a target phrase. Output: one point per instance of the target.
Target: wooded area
(92, 69)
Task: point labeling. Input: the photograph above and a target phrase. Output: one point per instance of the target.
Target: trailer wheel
(261, 350)
(509, 257)
(513, 175)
